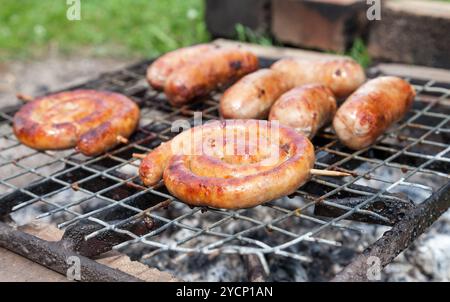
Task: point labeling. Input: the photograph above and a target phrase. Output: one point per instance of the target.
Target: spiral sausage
(231, 164)
(159, 70)
(342, 76)
(215, 68)
(88, 119)
(253, 95)
(306, 108)
(371, 110)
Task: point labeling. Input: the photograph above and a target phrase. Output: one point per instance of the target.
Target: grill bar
(54, 256)
(395, 241)
(68, 188)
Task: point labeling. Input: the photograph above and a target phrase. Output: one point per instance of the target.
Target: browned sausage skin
(233, 180)
(253, 95)
(214, 69)
(88, 119)
(305, 109)
(342, 76)
(371, 110)
(160, 69)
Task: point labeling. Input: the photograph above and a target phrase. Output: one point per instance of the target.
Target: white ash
(427, 259)
(424, 260)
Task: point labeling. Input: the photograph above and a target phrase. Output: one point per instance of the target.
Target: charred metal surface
(17, 197)
(394, 210)
(56, 256)
(75, 234)
(396, 240)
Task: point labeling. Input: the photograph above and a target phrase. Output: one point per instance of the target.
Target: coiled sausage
(91, 120)
(231, 164)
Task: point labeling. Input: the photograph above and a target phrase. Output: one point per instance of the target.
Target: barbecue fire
(101, 204)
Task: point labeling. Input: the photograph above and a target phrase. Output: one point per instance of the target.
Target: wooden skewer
(139, 155)
(24, 98)
(122, 139)
(329, 173)
(313, 171)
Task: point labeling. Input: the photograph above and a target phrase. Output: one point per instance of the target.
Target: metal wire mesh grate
(410, 162)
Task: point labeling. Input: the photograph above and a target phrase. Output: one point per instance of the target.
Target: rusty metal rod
(398, 238)
(392, 209)
(54, 255)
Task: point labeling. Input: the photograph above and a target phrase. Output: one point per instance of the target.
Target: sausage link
(306, 108)
(152, 167)
(159, 70)
(216, 68)
(342, 76)
(371, 110)
(253, 95)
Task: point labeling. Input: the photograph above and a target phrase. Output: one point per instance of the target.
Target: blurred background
(147, 28)
(41, 50)
(44, 49)
(127, 28)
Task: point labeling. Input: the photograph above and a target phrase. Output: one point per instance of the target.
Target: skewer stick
(328, 173)
(139, 155)
(312, 171)
(122, 139)
(24, 97)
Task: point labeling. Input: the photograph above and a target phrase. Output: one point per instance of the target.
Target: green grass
(146, 28)
(113, 27)
(359, 53)
(246, 34)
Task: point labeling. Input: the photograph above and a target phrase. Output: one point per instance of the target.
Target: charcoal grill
(401, 182)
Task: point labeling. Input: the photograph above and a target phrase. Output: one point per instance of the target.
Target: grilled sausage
(88, 119)
(159, 70)
(306, 108)
(342, 76)
(371, 110)
(230, 166)
(214, 69)
(253, 95)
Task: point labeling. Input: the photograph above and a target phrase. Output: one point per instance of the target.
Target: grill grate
(410, 162)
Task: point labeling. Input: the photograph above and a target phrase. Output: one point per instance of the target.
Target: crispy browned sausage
(253, 95)
(371, 110)
(216, 68)
(88, 119)
(342, 76)
(229, 166)
(160, 69)
(306, 108)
